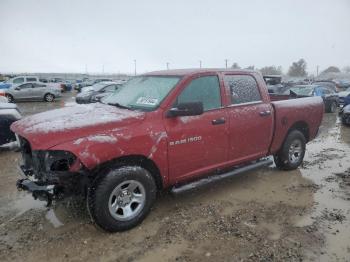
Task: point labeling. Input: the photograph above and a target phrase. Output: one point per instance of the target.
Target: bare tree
(235, 66)
(298, 68)
(271, 70)
(331, 69)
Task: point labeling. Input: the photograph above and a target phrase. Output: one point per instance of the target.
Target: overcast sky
(67, 36)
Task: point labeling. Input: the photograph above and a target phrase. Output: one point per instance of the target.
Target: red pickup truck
(172, 129)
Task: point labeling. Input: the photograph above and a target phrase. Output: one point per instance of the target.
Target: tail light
(2, 94)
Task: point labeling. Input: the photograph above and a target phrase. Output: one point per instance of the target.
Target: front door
(198, 144)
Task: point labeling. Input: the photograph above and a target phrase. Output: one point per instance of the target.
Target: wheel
(49, 97)
(292, 152)
(332, 107)
(10, 98)
(122, 198)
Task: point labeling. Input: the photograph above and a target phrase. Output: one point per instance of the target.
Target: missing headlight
(59, 160)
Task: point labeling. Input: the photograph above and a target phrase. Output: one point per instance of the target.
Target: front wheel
(292, 153)
(122, 198)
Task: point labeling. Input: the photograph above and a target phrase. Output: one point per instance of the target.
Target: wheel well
(138, 160)
(303, 128)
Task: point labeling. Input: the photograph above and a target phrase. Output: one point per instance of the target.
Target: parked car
(9, 113)
(327, 83)
(345, 114)
(18, 80)
(162, 130)
(90, 82)
(344, 97)
(33, 91)
(95, 93)
(330, 98)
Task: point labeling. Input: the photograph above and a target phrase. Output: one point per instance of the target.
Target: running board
(213, 178)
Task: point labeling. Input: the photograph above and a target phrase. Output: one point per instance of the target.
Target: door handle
(265, 113)
(218, 121)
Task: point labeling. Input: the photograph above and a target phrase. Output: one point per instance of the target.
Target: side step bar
(213, 178)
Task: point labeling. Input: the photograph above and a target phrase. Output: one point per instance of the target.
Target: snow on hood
(59, 125)
(343, 93)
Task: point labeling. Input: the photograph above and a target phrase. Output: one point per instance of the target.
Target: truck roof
(190, 71)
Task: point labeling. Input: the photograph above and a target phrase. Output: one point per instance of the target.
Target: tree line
(297, 69)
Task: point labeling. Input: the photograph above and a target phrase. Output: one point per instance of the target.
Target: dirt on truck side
(265, 215)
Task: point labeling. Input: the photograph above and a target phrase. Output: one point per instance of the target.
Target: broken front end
(51, 174)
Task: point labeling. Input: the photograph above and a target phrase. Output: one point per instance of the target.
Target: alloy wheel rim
(127, 200)
(295, 151)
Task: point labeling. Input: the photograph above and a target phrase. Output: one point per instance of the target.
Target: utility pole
(103, 69)
(135, 66)
(167, 65)
(317, 70)
(226, 60)
(86, 69)
(200, 63)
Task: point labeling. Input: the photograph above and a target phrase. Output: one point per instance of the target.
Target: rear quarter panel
(290, 112)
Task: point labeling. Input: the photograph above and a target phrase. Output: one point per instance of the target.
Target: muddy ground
(266, 215)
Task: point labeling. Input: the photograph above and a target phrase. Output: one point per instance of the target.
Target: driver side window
(205, 89)
(24, 86)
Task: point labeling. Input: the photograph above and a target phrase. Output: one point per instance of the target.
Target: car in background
(329, 96)
(345, 115)
(96, 92)
(90, 82)
(327, 83)
(344, 97)
(18, 80)
(64, 84)
(9, 113)
(33, 91)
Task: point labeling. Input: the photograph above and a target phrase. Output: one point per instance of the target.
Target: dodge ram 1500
(172, 129)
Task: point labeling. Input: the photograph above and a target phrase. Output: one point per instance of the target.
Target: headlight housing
(57, 160)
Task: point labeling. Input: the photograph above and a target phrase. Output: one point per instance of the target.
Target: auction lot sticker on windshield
(147, 101)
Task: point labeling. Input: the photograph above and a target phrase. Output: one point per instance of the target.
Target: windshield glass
(143, 92)
(303, 91)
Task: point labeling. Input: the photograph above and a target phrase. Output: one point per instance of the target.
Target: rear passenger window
(243, 89)
(31, 79)
(204, 89)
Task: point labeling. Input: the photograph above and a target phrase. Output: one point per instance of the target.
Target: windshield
(143, 92)
(301, 91)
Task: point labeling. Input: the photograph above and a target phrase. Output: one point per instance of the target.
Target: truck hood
(54, 127)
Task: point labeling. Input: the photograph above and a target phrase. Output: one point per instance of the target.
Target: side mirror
(186, 109)
(17, 88)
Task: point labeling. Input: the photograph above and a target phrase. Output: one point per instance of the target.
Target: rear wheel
(49, 97)
(292, 153)
(122, 198)
(10, 98)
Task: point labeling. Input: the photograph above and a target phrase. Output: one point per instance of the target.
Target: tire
(49, 97)
(332, 107)
(121, 198)
(291, 155)
(10, 98)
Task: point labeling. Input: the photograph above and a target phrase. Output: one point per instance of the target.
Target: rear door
(198, 144)
(250, 118)
(39, 90)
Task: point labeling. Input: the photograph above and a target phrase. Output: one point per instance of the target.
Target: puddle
(329, 198)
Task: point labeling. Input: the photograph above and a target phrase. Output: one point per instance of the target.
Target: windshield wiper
(119, 105)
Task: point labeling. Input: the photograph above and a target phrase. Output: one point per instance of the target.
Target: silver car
(33, 91)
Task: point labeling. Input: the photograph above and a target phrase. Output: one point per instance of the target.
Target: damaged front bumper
(61, 186)
(39, 190)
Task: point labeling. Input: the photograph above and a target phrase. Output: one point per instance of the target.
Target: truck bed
(306, 113)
